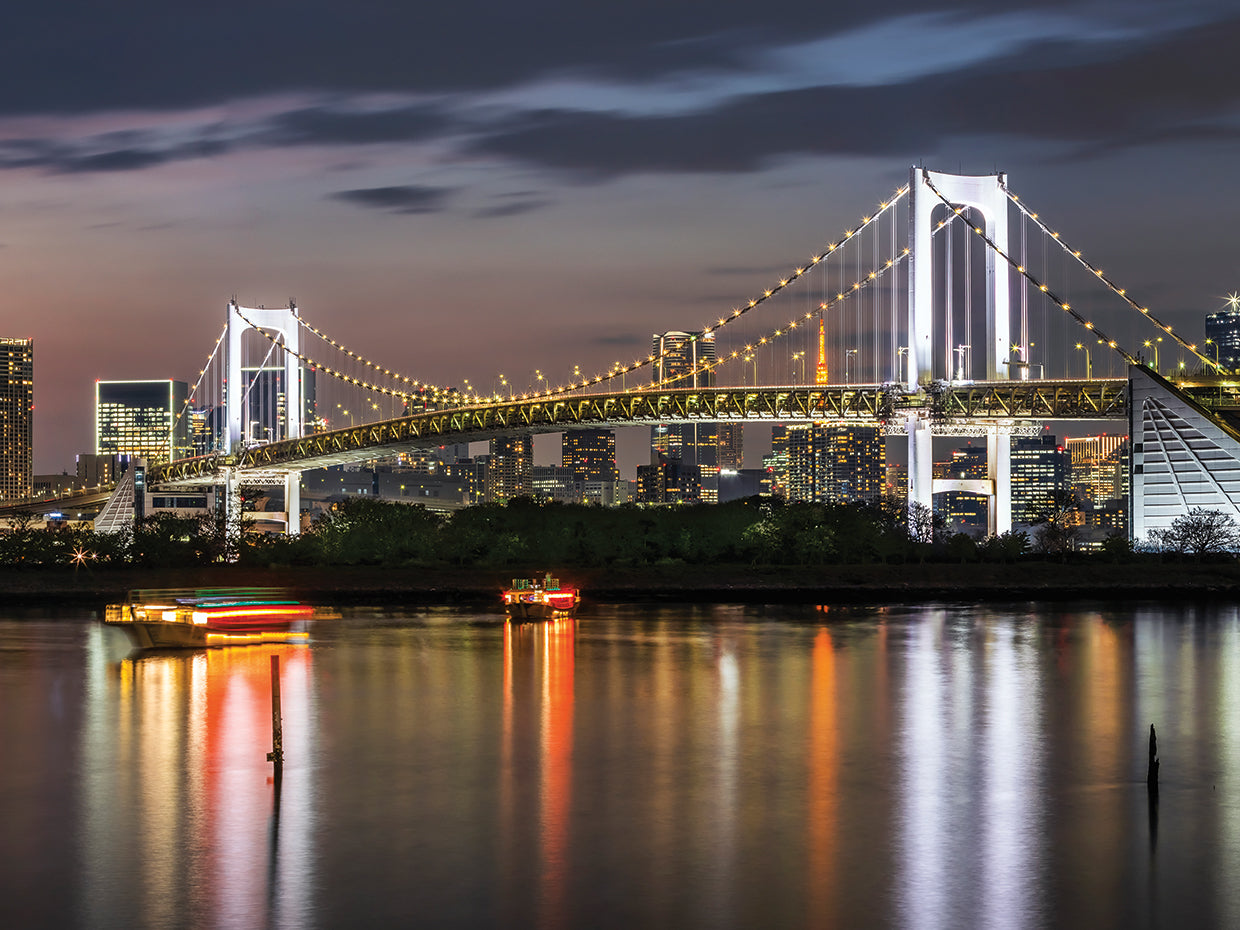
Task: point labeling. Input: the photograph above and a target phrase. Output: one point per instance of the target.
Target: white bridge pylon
(987, 195)
(285, 321)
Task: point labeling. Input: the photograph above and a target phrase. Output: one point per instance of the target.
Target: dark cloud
(86, 56)
(1070, 93)
(399, 199)
(513, 207)
(328, 126)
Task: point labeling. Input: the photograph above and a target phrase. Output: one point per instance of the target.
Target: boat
(183, 618)
(535, 599)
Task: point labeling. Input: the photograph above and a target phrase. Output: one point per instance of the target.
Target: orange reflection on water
(194, 731)
(823, 767)
(544, 652)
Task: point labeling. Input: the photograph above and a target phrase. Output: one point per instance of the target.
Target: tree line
(528, 532)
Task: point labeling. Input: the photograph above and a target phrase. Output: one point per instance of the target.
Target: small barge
(535, 599)
(196, 618)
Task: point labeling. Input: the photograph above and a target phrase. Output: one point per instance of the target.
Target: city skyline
(579, 180)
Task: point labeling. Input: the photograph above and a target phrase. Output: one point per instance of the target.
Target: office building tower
(731, 452)
(685, 360)
(777, 462)
(835, 463)
(964, 511)
(1223, 337)
(668, 481)
(590, 454)
(555, 483)
(142, 418)
(95, 470)
(1041, 476)
(17, 419)
(509, 468)
(1100, 482)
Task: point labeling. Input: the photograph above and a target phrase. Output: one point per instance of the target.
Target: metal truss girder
(867, 403)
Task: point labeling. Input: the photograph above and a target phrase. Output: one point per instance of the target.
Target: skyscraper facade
(509, 468)
(590, 454)
(1223, 332)
(835, 463)
(685, 360)
(1041, 474)
(142, 418)
(16, 419)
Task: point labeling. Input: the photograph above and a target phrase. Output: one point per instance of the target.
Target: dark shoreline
(833, 584)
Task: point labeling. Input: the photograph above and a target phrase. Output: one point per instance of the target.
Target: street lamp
(962, 352)
(900, 353)
(800, 357)
(1154, 345)
(848, 354)
(1089, 368)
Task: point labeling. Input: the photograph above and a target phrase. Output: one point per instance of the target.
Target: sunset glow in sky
(464, 189)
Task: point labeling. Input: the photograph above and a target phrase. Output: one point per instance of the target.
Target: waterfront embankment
(867, 583)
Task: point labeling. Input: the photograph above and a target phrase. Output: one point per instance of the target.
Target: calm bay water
(669, 766)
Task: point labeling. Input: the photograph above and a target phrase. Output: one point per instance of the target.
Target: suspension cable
(1111, 343)
(1115, 288)
(189, 399)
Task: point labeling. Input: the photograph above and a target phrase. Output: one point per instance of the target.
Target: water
(669, 766)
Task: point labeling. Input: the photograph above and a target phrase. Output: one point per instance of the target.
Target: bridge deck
(860, 403)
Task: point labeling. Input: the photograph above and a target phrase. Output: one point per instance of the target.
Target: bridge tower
(987, 195)
(285, 321)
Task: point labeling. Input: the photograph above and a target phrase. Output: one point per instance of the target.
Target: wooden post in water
(277, 737)
(1151, 774)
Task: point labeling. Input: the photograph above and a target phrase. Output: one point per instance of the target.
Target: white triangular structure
(1182, 457)
(118, 513)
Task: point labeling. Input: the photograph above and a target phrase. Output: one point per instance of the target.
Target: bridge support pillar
(920, 462)
(999, 471)
(292, 502)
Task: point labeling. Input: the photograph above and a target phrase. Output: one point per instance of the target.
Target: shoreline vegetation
(829, 585)
(758, 550)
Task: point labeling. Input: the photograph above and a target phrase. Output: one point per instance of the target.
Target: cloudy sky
(462, 189)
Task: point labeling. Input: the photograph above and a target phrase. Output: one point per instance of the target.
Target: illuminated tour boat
(536, 599)
(189, 619)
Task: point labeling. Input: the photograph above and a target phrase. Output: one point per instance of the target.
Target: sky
(457, 190)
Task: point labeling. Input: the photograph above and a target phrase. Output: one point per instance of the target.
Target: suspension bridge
(952, 308)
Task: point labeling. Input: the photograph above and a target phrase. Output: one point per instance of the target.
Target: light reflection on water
(669, 766)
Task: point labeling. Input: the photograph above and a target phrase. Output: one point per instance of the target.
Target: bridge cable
(197, 384)
(1111, 343)
(1115, 288)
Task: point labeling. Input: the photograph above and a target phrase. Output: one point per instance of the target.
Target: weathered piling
(277, 736)
(1151, 774)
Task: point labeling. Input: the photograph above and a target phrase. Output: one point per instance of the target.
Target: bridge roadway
(1097, 398)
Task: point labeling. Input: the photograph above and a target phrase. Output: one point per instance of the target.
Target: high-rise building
(685, 360)
(964, 511)
(1099, 467)
(509, 468)
(149, 419)
(590, 454)
(831, 463)
(731, 452)
(668, 481)
(16, 419)
(1223, 333)
(1041, 474)
(1100, 482)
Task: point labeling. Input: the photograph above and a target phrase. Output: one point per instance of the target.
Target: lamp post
(1154, 345)
(848, 354)
(1089, 369)
(962, 352)
(900, 353)
(800, 357)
